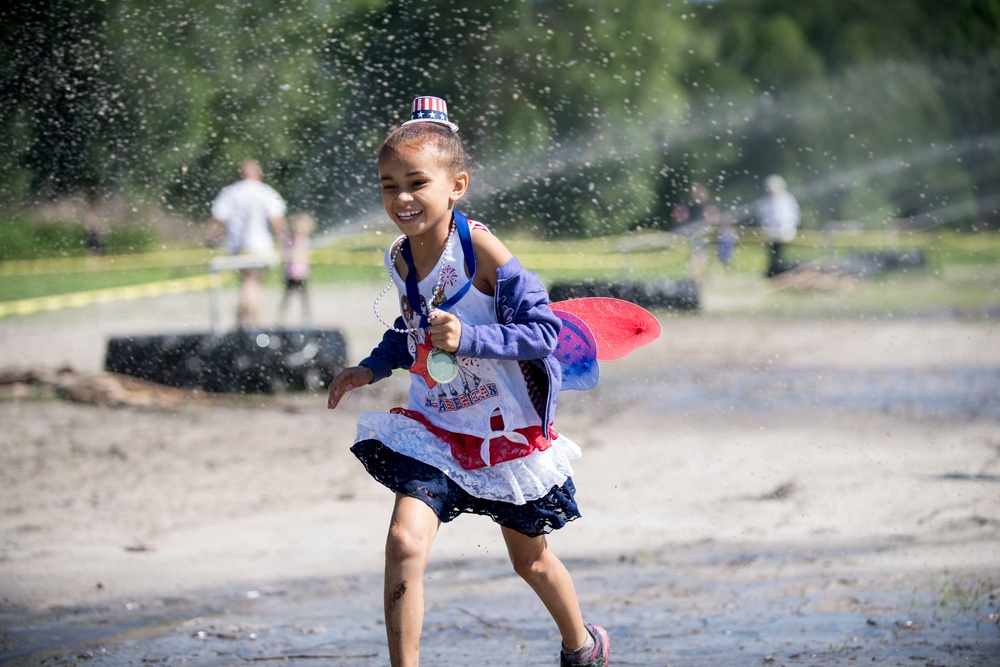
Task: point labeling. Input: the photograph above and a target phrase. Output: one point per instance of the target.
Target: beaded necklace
(437, 292)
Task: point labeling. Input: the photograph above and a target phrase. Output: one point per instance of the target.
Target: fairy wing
(577, 353)
(618, 326)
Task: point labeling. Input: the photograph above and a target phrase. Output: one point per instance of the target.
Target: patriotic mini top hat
(427, 109)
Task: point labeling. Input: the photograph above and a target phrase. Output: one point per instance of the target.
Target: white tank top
(488, 399)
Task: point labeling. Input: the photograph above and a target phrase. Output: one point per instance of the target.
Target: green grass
(962, 272)
(20, 239)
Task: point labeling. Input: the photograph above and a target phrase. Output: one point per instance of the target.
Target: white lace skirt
(516, 482)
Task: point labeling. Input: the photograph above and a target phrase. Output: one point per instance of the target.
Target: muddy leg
(407, 548)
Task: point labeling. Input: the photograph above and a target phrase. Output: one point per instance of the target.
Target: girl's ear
(459, 186)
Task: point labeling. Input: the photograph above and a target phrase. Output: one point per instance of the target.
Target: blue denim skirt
(448, 500)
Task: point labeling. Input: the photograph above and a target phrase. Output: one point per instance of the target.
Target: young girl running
(477, 336)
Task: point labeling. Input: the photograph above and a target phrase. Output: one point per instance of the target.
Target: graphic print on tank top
(466, 389)
(485, 413)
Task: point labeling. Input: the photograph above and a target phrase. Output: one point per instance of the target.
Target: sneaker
(596, 656)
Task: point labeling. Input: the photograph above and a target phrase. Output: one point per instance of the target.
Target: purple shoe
(596, 656)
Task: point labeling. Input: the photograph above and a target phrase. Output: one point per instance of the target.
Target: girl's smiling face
(419, 192)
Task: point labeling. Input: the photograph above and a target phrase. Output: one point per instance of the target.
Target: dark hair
(449, 144)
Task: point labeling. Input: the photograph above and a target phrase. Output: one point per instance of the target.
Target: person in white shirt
(250, 216)
(778, 214)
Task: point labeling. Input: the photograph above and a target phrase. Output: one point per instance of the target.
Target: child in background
(295, 253)
(726, 243)
(477, 436)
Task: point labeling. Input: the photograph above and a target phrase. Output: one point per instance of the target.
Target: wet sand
(754, 492)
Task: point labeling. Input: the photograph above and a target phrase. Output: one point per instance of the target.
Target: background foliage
(588, 118)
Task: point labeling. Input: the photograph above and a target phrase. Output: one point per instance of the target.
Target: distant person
(695, 219)
(697, 208)
(249, 214)
(295, 254)
(778, 214)
(95, 234)
(725, 243)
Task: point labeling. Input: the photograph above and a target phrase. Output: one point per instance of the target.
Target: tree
(589, 118)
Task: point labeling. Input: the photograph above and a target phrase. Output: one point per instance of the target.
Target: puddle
(702, 607)
(954, 392)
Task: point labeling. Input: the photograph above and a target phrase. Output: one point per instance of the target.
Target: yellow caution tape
(106, 263)
(127, 293)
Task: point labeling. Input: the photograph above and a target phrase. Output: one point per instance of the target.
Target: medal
(442, 366)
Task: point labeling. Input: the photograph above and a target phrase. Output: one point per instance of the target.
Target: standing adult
(778, 214)
(250, 216)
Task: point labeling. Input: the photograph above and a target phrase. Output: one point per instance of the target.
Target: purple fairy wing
(577, 353)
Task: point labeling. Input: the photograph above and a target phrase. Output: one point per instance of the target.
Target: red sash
(468, 450)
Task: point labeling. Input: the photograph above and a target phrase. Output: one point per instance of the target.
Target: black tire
(266, 361)
(873, 263)
(174, 360)
(675, 295)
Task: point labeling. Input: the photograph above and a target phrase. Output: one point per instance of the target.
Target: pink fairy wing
(619, 326)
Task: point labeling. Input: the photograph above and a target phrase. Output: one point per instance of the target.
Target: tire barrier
(873, 263)
(266, 361)
(676, 295)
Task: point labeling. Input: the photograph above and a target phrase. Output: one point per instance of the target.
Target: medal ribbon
(412, 289)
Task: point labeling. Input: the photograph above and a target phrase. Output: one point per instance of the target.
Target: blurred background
(842, 413)
(120, 120)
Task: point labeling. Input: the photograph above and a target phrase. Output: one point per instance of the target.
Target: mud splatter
(397, 594)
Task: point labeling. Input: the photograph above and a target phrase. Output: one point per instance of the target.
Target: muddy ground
(754, 491)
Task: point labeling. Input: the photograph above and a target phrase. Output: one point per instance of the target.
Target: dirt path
(754, 492)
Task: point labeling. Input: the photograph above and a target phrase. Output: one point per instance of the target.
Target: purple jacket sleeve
(390, 354)
(527, 329)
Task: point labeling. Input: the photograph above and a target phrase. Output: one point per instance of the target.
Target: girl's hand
(446, 330)
(346, 380)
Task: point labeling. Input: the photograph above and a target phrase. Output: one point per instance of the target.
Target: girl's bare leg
(412, 530)
(551, 581)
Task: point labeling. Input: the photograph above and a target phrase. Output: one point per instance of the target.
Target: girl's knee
(399, 544)
(531, 564)
(527, 569)
(411, 531)
(403, 544)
